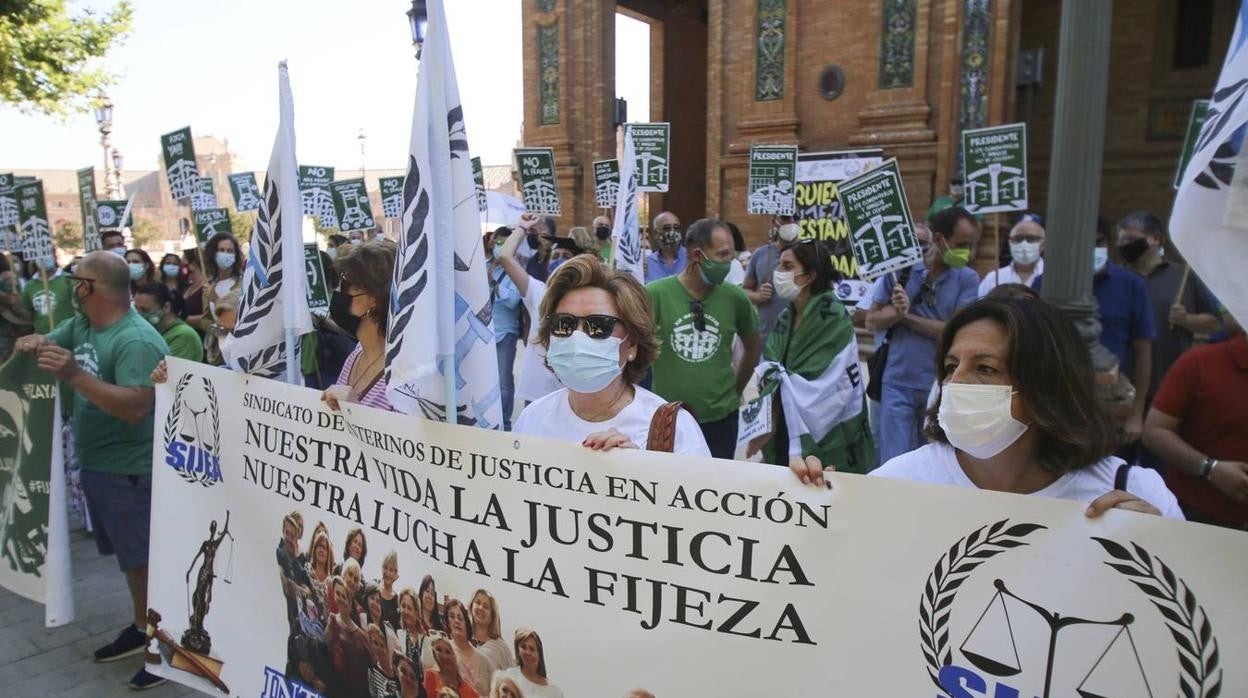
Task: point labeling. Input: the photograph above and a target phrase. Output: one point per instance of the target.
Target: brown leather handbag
(662, 436)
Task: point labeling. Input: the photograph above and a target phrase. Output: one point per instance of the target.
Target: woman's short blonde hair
(585, 239)
(585, 271)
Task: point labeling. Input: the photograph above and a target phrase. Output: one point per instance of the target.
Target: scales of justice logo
(192, 433)
(1004, 639)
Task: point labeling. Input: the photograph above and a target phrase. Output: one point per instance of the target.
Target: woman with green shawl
(810, 371)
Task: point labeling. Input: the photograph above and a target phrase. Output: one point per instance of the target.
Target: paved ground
(39, 661)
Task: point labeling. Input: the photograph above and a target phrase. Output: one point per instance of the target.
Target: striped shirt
(376, 395)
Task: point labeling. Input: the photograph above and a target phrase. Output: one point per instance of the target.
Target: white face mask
(1025, 253)
(788, 232)
(584, 364)
(977, 419)
(782, 283)
(1100, 256)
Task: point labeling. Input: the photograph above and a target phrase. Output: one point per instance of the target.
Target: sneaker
(144, 680)
(129, 642)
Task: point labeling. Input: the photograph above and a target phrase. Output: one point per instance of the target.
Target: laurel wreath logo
(952, 569)
(411, 275)
(174, 419)
(259, 297)
(1187, 621)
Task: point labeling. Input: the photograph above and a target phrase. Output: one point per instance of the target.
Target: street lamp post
(362, 138)
(418, 17)
(104, 119)
(117, 162)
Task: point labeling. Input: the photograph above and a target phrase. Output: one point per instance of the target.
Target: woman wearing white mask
(599, 337)
(1026, 256)
(223, 265)
(809, 368)
(1018, 413)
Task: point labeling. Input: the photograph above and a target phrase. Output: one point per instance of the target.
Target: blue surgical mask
(225, 260)
(554, 264)
(1100, 257)
(583, 364)
(48, 264)
(171, 269)
(136, 270)
(119, 251)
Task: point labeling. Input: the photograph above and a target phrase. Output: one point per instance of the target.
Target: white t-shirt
(937, 463)
(1008, 275)
(536, 380)
(553, 416)
(527, 687)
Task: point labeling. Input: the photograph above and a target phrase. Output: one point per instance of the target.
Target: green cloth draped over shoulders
(821, 359)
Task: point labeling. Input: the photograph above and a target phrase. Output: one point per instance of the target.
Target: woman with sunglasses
(599, 338)
(366, 271)
(810, 368)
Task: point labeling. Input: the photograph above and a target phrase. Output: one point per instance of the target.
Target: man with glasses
(697, 315)
(669, 259)
(1026, 256)
(911, 307)
(106, 353)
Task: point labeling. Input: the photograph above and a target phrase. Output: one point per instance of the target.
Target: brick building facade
(903, 75)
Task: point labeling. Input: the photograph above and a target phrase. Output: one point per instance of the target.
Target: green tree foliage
(48, 58)
(67, 236)
(241, 225)
(145, 233)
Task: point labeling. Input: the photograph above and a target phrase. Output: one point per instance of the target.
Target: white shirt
(536, 380)
(553, 416)
(527, 687)
(936, 463)
(1008, 275)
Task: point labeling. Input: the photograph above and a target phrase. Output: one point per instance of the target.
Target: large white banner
(681, 576)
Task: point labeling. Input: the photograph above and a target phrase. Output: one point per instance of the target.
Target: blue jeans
(902, 411)
(506, 347)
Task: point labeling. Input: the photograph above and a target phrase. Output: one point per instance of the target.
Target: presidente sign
(890, 588)
(880, 228)
(994, 163)
(773, 174)
(819, 212)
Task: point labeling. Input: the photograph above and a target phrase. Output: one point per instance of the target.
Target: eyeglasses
(699, 316)
(79, 279)
(1026, 238)
(596, 326)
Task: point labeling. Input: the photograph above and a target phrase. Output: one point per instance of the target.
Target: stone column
(1075, 177)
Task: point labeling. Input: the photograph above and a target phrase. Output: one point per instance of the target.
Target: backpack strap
(1120, 477)
(662, 436)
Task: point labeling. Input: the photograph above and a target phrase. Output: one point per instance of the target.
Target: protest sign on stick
(318, 200)
(1195, 122)
(351, 206)
(819, 212)
(652, 146)
(87, 207)
(114, 215)
(538, 186)
(478, 179)
(995, 169)
(773, 173)
(210, 222)
(880, 228)
(318, 289)
(178, 149)
(606, 182)
(205, 196)
(245, 191)
(391, 197)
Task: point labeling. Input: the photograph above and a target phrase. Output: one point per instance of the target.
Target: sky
(213, 65)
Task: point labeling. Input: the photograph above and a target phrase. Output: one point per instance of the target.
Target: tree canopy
(49, 58)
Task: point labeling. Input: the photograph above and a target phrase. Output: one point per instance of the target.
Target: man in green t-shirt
(106, 353)
(697, 315)
(154, 302)
(46, 298)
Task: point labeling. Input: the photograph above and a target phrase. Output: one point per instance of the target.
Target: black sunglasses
(699, 317)
(596, 326)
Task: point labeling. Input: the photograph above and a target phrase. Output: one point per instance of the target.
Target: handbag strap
(1120, 477)
(662, 435)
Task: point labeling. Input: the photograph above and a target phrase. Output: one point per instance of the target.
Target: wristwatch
(1207, 466)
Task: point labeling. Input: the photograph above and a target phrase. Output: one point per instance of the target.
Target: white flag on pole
(627, 232)
(440, 343)
(1209, 221)
(258, 344)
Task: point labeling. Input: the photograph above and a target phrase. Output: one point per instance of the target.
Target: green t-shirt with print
(184, 342)
(122, 354)
(695, 367)
(45, 305)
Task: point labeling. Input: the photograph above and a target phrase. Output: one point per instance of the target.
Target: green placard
(652, 145)
(32, 216)
(245, 191)
(205, 196)
(880, 227)
(994, 169)
(351, 206)
(538, 185)
(8, 213)
(478, 178)
(86, 205)
(314, 181)
(114, 215)
(1200, 112)
(178, 149)
(210, 222)
(391, 196)
(606, 182)
(318, 290)
(773, 180)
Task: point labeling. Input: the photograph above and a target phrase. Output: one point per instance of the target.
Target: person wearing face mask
(670, 258)
(114, 241)
(1181, 305)
(810, 366)
(539, 235)
(911, 309)
(47, 300)
(142, 270)
(155, 303)
(697, 316)
(335, 242)
(506, 302)
(763, 263)
(599, 337)
(602, 233)
(1018, 412)
(366, 271)
(223, 266)
(1026, 256)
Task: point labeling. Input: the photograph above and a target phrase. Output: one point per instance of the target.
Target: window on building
(1193, 28)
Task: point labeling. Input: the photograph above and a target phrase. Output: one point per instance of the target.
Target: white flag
(627, 232)
(258, 343)
(441, 335)
(1209, 222)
